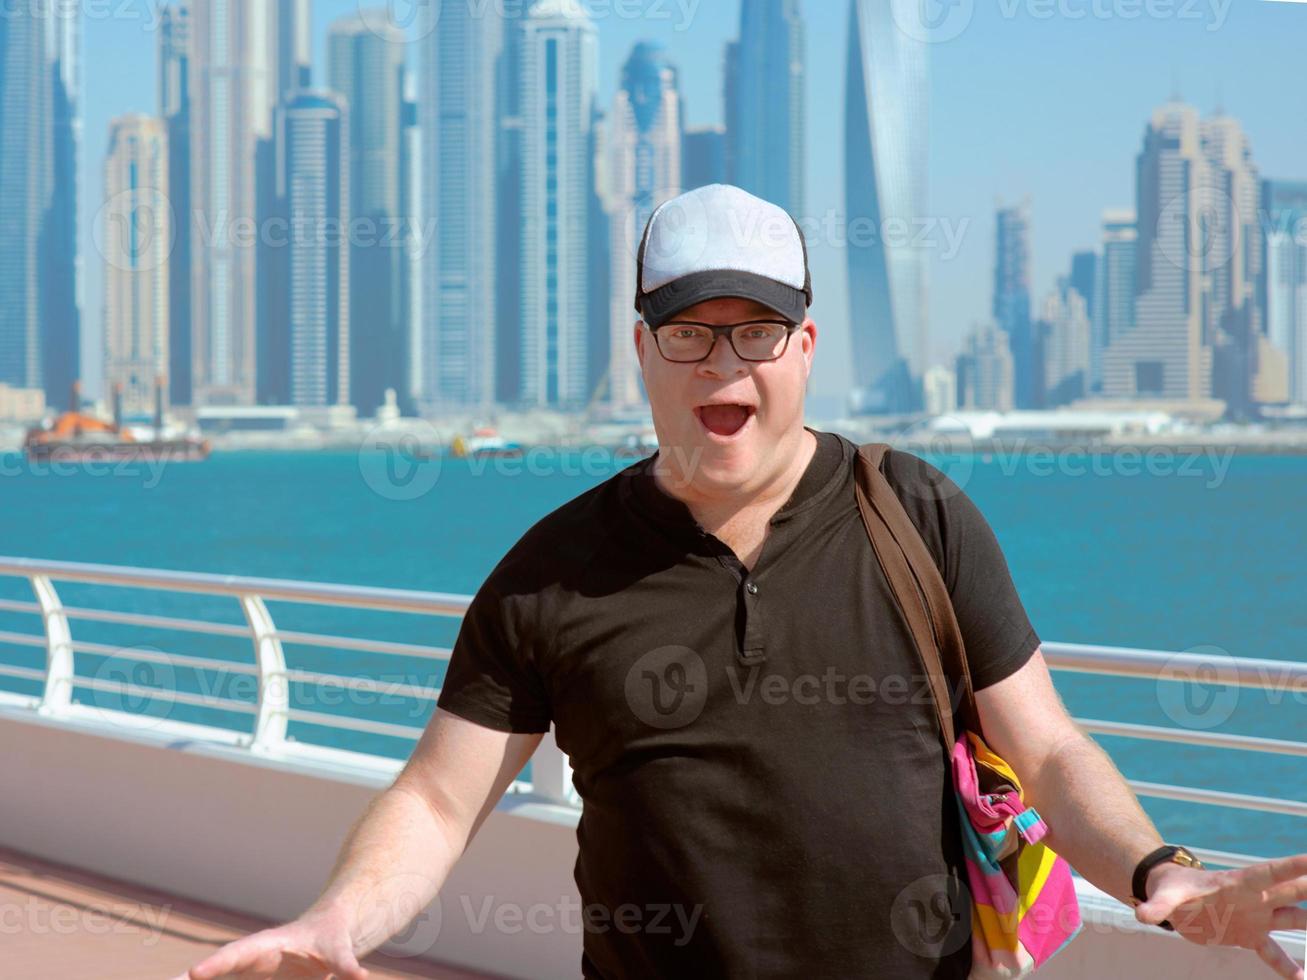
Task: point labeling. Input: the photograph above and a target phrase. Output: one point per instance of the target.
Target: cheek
(782, 391)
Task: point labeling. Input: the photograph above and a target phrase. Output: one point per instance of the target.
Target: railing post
(274, 689)
(58, 694)
(551, 772)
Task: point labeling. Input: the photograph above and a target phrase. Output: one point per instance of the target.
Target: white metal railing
(271, 710)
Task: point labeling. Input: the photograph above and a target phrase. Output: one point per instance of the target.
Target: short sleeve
(493, 678)
(996, 630)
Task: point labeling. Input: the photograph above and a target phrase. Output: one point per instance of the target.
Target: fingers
(1154, 910)
(346, 966)
(1288, 892)
(1289, 919)
(1278, 960)
(239, 955)
(268, 958)
(1288, 868)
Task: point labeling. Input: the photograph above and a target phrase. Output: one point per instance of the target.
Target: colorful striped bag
(1023, 901)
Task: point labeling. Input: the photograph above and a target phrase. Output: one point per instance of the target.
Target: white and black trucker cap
(718, 241)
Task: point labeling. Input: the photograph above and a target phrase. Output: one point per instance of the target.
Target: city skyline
(700, 103)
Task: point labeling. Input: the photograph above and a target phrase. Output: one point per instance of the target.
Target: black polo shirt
(764, 785)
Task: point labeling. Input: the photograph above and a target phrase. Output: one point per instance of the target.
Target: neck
(712, 510)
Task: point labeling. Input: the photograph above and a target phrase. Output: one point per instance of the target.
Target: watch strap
(1139, 881)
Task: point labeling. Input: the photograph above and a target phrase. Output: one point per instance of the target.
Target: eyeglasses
(685, 341)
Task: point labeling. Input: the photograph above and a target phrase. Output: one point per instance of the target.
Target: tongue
(724, 420)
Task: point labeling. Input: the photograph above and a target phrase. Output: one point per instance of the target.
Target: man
(695, 628)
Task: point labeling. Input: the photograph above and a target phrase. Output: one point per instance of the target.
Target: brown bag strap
(919, 588)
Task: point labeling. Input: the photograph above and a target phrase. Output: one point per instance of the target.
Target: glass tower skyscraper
(458, 112)
(885, 143)
(770, 128)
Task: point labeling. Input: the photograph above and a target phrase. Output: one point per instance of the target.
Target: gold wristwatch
(1174, 853)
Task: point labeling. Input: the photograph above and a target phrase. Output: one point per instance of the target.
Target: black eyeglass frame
(727, 330)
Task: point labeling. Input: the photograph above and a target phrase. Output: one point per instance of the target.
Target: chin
(729, 462)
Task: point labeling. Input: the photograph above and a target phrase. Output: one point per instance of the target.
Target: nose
(722, 359)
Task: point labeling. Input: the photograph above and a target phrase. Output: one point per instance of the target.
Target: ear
(809, 334)
(639, 341)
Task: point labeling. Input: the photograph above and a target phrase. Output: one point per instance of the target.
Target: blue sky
(1045, 98)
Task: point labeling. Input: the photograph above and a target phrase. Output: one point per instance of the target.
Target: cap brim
(666, 301)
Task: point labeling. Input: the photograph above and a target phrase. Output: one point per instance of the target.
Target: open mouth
(725, 421)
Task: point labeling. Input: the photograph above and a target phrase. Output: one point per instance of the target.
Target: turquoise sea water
(1168, 551)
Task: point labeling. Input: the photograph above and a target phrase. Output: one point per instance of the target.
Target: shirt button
(751, 588)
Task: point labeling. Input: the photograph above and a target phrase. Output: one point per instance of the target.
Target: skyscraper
(25, 191)
(415, 240)
(294, 47)
(290, 75)
(984, 371)
(731, 105)
(365, 67)
(885, 139)
(61, 255)
(137, 242)
(1114, 315)
(703, 157)
(1198, 331)
(1284, 279)
(1066, 346)
(1012, 302)
(644, 170)
(1167, 354)
(458, 115)
(175, 111)
(770, 130)
(559, 79)
(508, 204)
(235, 80)
(1084, 276)
(313, 154)
(1087, 280)
(940, 387)
(1245, 369)
(600, 262)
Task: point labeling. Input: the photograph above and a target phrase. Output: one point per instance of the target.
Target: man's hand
(307, 949)
(1232, 908)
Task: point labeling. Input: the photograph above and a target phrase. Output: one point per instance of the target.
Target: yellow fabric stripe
(1034, 864)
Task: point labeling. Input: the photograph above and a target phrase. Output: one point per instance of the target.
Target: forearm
(1094, 819)
(391, 866)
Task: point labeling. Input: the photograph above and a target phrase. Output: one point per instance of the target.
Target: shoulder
(554, 550)
(935, 502)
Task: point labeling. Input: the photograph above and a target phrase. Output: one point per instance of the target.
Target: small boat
(485, 442)
(76, 436)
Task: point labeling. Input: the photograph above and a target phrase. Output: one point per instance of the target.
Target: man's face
(770, 394)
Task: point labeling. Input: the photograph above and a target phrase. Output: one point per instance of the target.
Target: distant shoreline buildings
(458, 227)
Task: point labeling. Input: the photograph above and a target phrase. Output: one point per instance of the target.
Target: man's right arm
(396, 857)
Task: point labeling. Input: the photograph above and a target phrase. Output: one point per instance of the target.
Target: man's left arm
(1096, 823)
